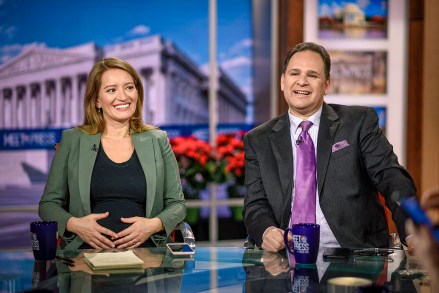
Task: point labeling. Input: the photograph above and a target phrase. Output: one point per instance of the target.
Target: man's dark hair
(308, 46)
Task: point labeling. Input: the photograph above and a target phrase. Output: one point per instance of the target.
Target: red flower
(191, 147)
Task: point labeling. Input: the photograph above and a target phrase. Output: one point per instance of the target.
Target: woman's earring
(100, 110)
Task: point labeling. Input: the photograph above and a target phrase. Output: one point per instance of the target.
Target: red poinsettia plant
(230, 156)
(200, 163)
(195, 162)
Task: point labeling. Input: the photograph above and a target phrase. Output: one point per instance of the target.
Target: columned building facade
(44, 87)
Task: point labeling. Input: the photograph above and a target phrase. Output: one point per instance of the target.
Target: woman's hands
(138, 232)
(91, 232)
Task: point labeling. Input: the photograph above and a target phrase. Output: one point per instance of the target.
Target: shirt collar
(295, 121)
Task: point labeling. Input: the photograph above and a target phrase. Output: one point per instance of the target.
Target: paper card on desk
(113, 260)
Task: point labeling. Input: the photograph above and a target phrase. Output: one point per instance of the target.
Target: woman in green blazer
(114, 181)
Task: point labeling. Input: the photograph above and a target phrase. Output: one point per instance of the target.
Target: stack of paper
(125, 260)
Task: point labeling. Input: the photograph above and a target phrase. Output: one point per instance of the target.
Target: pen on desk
(69, 264)
(65, 260)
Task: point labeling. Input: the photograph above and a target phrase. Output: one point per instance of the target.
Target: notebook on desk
(105, 261)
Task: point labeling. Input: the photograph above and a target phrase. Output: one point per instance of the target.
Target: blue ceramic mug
(302, 240)
(44, 236)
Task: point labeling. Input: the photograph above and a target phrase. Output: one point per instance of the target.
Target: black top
(119, 188)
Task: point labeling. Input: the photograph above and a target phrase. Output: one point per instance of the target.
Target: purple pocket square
(339, 145)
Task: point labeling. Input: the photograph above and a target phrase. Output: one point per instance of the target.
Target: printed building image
(353, 15)
(44, 87)
(358, 72)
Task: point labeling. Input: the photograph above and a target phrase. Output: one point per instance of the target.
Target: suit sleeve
(53, 205)
(388, 176)
(258, 213)
(174, 203)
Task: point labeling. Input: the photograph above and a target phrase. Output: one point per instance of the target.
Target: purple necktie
(304, 207)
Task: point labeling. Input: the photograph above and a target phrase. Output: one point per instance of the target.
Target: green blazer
(67, 190)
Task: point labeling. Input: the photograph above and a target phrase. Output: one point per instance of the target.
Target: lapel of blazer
(327, 129)
(280, 142)
(88, 146)
(144, 146)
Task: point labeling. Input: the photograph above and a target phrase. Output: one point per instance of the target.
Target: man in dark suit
(354, 162)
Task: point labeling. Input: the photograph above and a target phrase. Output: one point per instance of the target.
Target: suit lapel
(145, 151)
(282, 149)
(88, 150)
(327, 129)
(280, 142)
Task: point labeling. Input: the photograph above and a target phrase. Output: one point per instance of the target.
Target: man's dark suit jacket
(349, 177)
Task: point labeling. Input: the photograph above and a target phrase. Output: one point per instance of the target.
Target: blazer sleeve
(53, 205)
(390, 178)
(257, 211)
(173, 198)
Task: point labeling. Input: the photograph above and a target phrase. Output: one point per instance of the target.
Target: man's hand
(273, 240)
(430, 203)
(428, 247)
(90, 231)
(411, 246)
(274, 263)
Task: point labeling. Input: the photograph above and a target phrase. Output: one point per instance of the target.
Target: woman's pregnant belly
(118, 209)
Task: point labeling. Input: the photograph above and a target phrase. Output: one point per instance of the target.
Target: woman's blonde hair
(93, 119)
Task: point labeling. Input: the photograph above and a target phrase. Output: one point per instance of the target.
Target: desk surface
(224, 269)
